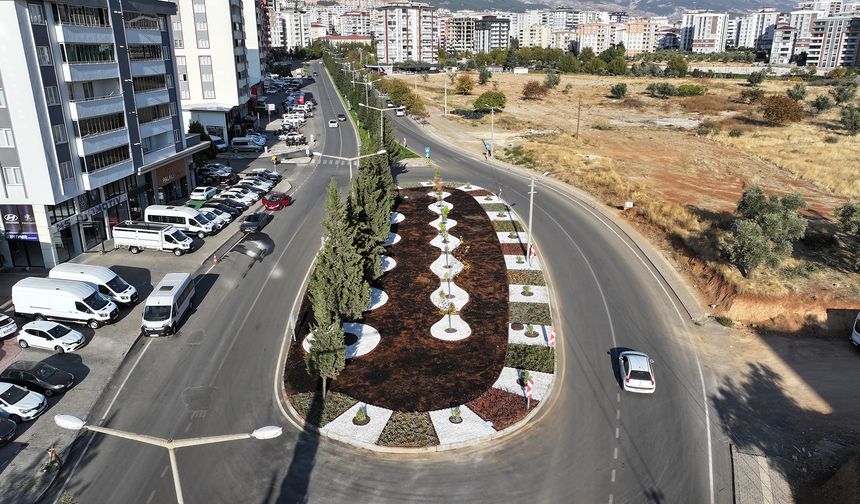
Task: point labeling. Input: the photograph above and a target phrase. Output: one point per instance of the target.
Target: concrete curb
(659, 263)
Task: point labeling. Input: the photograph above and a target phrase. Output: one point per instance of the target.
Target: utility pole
(578, 113)
(446, 96)
(492, 130)
(531, 207)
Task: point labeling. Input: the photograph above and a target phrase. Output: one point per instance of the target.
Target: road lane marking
(615, 453)
(151, 496)
(617, 414)
(617, 432)
(610, 498)
(613, 475)
(164, 471)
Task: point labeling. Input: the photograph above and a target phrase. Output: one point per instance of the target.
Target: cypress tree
(363, 212)
(346, 265)
(327, 356)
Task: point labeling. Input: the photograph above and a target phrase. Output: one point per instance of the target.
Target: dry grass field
(684, 162)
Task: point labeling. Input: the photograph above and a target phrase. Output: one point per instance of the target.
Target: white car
(216, 220)
(245, 199)
(257, 138)
(7, 326)
(332, 123)
(635, 372)
(221, 214)
(401, 111)
(20, 404)
(219, 143)
(51, 336)
(256, 184)
(202, 193)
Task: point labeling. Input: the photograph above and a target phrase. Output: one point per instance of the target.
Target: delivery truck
(137, 236)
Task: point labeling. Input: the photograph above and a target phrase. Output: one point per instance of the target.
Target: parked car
(50, 336)
(202, 193)
(260, 180)
(8, 428)
(20, 404)
(225, 217)
(214, 168)
(267, 174)
(636, 373)
(39, 377)
(104, 279)
(258, 191)
(255, 222)
(332, 123)
(277, 201)
(69, 300)
(242, 194)
(189, 220)
(401, 111)
(221, 179)
(137, 236)
(264, 185)
(218, 222)
(7, 326)
(257, 138)
(389, 104)
(216, 206)
(245, 144)
(226, 199)
(219, 143)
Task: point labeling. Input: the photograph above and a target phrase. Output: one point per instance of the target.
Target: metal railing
(113, 94)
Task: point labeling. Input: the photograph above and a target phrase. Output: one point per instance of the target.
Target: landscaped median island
(462, 346)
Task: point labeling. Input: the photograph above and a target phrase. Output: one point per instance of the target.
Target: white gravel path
(518, 335)
(512, 264)
(368, 338)
(378, 297)
(449, 223)
(470, 187)
(388, 263)
(392, 239)
(461, 297)
(471, 428)
(397, 217)
(437, 330)
(505, 217)
(520, 238)
(539, 294)
(507, 381)
(369, 433)
(436, 207)
(453, 242)
(439, 269)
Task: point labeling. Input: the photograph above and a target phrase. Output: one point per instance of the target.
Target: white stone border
(471, 428)
(512, 264)
(521, 238)
(393, 238)
(368, 339)
(518, 336)
(388, 263)
(343, 426)
(507, 381)
(460, 327)
(378, 298)
(397, 217)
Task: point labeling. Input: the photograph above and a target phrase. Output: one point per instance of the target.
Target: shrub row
(509, 226)
(315, 411)
(531, 357)
(408, 430)
(530, 313)
(525, 277)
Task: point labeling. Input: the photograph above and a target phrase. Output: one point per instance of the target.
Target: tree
(844, 92)
(755, 78)
(534, 90)
(750, 96)
(748, 246)
(491, 99)
(617, 66)
(661, 89)
(797, 92)
(821, 103)
(484, 76)
(619, 90)
(464, 85)
(851, 119)
(327, 356)
(551, 80)
(676, 66)
(849, 218)
(779, 110)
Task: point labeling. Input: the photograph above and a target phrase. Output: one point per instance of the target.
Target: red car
(277, 201)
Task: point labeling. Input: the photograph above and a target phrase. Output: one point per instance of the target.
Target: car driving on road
(255, 222)
(635, 371)
(20, 404)
(277, 201)
(332, 123)
(39, 377)
(341, 117)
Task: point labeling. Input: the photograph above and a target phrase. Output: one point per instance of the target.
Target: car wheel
(172, 329)
(59, 349)
(177, 252)
(134, 250)
(15, 418)
(201, 235)
(23, 344)
(94, 324)
(49, 393)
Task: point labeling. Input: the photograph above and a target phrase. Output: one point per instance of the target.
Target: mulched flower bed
(314, 410)
(478, 192)
(531, 313)
(526, 277)
(514, 249)
(410, 430)
(500, 407)
(410, 370)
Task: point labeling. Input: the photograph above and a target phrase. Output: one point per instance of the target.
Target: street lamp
(350, 159)
(74, 423)
(381, 112)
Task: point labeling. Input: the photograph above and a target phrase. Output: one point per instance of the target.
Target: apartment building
(492, 32)
(803, 21)
(830, 8)
(257, 43)
(564, 40)
(355, 23)
(90, 131)
(782, 48)
(835, 42)
(755, 30)
(291, 29)
(562, 19)
(536, 35)
(703, 31)
(461, 35)
(599, 36)
(405, 31)
(640, 35)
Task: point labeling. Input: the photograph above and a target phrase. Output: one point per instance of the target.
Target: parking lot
(95, 364)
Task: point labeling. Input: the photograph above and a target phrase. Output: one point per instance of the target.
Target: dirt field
(684, 181)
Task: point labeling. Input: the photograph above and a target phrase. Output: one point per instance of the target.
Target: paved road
(594, 445)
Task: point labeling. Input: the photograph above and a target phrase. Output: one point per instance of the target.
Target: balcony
(96, 106)
(147, 67)
(149, 98)
(108, 174)
(84, 34)
(102, 141)
(159, 154)
(158, 126)
(73, 72)
(135, 36)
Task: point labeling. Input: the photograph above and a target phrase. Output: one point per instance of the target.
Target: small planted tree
(361, 417)
(464, 85)
(491, 100)
(756, 78)
(797, 92)
(445, 211)
(619, 90)
(551, 80)
(676, 66)
(455, 417)
(527, 291)
(821, 103)
(845, 92)
(534, 90)
(779, 110)
(850, 119)
(484, 76)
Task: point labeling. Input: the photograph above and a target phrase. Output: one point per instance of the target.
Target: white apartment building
(355, 23)
(291, 29)
(599, 36)
(755, 30)
(562, 19)
(803, 21)
(536, 35)
(831, 8)
(640, 35)
(703, 31)
(256, 37)
(405, 31)
(461, 35)
(90, 130)
(564, 40)
(835, 42)
(782, 48)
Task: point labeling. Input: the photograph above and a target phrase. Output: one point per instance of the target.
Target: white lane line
(617, 414)
(151, 496)
(617, 432)
(610, 499)
(164, 471)
(613, 475)
(615, 453)
(187, 427)
(618, 397)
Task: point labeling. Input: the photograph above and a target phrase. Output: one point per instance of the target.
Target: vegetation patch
(508, 226)
(526, 277)
(494, 207)
(531, 313)
(531, 357)
(501, 408)
(318, 411)
(409, 430)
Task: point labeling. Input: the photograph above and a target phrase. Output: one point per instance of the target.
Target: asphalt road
(593, 445)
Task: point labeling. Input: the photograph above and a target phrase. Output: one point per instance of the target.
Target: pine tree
(327, 356)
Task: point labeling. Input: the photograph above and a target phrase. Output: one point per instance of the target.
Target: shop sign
(66, 223)
(101, 207)
(168, 178)
(18, 222)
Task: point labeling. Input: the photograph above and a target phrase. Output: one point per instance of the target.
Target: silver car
(636, 373)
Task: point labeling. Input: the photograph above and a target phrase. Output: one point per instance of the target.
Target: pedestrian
(53, 458)
(404, 141)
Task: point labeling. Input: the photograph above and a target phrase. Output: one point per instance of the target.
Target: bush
(844, 92)
(849, 218)
(534, 90)
(851, 119)
(676, 66)
(779, 110)
(491, 99)
(797, 92)
(464, 85)
(531, 357)
(724, 321)
(312, 408)
(755, 78)
(735, 132)
(661, 90)
(821, 103)
(530, 313)
(484, 76)
(707, 127)
(525, 277)
(751, 96)
(408, 429)
(619, 90)
(551, 80)
(508, 226)
(691, 90)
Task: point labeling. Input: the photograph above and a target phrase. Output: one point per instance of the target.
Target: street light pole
(531, 207)
(446, 96)
(350, 159)
(492, 130)
(381, 112)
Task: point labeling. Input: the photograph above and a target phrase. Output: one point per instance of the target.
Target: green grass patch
(519, 156)
(531, 357)
(318, 412)
(724, 321)
(526, 277)
(509, 226)
(531, 313)
(494, 207)
(412, 430)
(405, 153)
(803, 270)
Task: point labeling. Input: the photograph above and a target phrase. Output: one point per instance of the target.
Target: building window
(87, 53)
(13, 175)
(182, 72)
(165, 51)
(61, 211)
(154, 113)
(2, 99)
(110, 157)
(98, 125)
(141, 21)
(168, 81)
(66, 170)
(37, 14)
(173, 109)
(177, 136)
(144, 52)
(149, 83)
(6, 138)
(207, 80)
(113, 189)
(201, 27)
(81, 16)
(52, 95)
(59, 131)
(178, 41)
(44, 55)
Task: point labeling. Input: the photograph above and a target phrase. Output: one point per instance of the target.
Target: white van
(244, 144)
(182, 217)
(855, 333)
(49, 298)
(169, 301)
(106, 281)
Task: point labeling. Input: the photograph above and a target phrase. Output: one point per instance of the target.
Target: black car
(7, 430)
(255, 222)
(233, 211)
(341, 117)
(221, 179)
(267, 174)
(231, 203)
(255, 189)
(38, 377)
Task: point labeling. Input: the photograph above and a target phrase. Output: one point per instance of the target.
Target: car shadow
(614, 354)
(202, 284)
(140, 279)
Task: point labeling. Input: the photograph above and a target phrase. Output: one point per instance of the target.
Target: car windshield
(44, 371)
(201, 219)
(96, 301)
(252, 218)
(178, 235)
(276, 197)
(156, 313)
(117, 284)
(640, 375)
(13, 395)
(58, 331)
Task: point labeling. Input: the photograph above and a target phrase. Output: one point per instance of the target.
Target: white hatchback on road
(51, 336)
(636, 373)
(332, 123)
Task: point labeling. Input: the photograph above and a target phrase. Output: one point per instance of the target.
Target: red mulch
(500, 407)
(478, 192)
(410, 370)
(513, 249)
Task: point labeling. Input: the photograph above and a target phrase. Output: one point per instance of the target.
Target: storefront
(22, 237)
(65, 235)
(171, 181)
